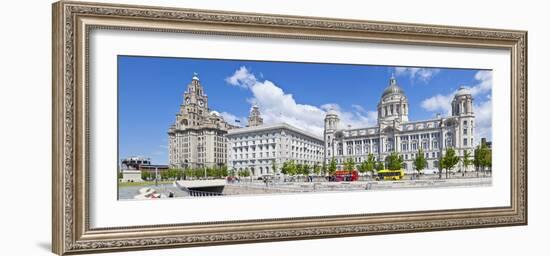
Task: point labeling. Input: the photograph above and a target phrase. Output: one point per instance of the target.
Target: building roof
(414, 123)
(265, 127)
(462, 91)
(393, 88)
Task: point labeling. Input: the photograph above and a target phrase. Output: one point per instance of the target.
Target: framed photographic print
(180, 127)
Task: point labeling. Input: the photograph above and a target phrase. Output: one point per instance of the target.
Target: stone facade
(395, 133)
(260, 148)
(254, 119)
(197, 137)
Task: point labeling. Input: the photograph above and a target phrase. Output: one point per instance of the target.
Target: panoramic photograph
(192, 127)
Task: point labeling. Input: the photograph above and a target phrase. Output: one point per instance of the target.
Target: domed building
(393, 105)
(395, 133)
(197, 137)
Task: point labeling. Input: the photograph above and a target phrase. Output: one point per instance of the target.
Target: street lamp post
(156, 176)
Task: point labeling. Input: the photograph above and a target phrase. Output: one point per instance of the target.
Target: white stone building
(261, 147)
(395, 133)
(197, 137)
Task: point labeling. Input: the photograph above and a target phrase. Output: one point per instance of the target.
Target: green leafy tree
(349, 164)
(274, 166)
(362, 168)
(119, 174)
(449, 161)
(394, 161)
(332, 166)
(371, 163)
(466, 161)
(145, 175)
(198, 172)
(379, 166)
(324, 168)
(223, 171)
(306, 170)
(482, 157)
(299, 169)
(440, 165)
(420, 161)
(488, 160)
(289, 168)
(317, 169)
(244, 173)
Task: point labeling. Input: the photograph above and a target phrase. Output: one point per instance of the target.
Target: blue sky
(150, 91)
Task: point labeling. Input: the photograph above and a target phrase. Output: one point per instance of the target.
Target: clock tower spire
(194, 95)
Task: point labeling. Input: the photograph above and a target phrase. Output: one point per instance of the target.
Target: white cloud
(232, 119)
(482, 107)
(484, 116)
(242, 78)
(279, 106)
(442, 103)
(422, 74)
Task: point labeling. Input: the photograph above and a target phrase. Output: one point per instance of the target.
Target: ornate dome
(462, 91)
(215, 113)
(332, 112)
(393, 88)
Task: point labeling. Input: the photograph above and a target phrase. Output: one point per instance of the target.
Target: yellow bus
(390, 175)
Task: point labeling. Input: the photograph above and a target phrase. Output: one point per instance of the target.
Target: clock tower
(194, 96)
(197, 137)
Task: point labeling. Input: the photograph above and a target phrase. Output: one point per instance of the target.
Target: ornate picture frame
(72, 23)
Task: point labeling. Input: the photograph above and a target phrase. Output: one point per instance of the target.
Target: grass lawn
(143, 183)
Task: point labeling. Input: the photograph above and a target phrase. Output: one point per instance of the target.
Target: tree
(289, 168)
(332, 167)
(244, 173)
(420, 161)
(394, 161)
(299, 169)
(274, 166)
(306, 169)
(211, 172)
(440, 165)
(362, 168)
(317, 169)
(488, 160)
(145, 175)
(379, 166)
(119, 174)
(466, 160)
(449, 161)
(172, 174)
(349, 165)
(223, 171)
(482, 157)
(371, 163)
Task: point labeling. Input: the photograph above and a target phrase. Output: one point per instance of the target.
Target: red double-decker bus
(346, 176)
